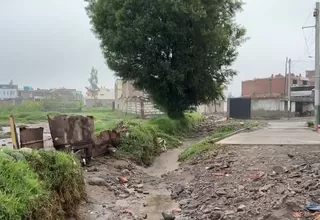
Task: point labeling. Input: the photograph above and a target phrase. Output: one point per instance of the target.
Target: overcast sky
(48, 43)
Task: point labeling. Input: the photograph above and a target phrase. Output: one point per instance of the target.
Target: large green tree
(178, 51)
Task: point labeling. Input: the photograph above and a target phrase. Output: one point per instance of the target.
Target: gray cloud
(50, 44)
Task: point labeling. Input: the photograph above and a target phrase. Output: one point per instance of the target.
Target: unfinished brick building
(274, 86)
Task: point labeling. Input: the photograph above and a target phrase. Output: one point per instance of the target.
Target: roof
(7, 86)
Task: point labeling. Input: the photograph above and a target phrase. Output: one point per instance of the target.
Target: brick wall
(310, 74)
(274, 86)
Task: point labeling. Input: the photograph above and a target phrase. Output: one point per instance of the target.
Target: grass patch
(197, 149)
(142, 144)
(104, 118)
(40, 185)
(207, 144)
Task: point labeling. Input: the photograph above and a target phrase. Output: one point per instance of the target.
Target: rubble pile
(227, 187)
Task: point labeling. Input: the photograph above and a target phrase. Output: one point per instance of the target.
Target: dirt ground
(256, 182)
(235, 182)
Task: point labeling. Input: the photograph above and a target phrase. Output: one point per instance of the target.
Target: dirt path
(145, 196)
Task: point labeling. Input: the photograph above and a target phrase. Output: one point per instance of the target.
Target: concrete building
(310, 74)
(105, 98)
(274, 86)
(8, 91)
(269, 95)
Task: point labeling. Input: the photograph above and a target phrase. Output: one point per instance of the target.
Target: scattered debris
(315, 207)
(168, 216)
(123, 179)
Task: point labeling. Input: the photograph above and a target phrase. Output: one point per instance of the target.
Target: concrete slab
(277, 133)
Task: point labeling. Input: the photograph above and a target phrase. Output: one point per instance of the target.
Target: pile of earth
(249, 182)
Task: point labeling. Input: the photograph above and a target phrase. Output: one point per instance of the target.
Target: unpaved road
(245, 182)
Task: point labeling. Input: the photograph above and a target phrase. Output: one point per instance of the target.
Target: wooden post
(142, 109)
(14, 135)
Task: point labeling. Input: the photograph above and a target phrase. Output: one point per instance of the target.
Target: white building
(8, 91)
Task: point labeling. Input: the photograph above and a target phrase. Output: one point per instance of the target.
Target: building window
(294, 82)
(304, 82)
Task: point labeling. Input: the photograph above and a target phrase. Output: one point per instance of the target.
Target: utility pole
(289, 88)
(286, 81)
(317, 65)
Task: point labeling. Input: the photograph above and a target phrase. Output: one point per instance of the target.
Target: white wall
(267, 104)
(8, 93)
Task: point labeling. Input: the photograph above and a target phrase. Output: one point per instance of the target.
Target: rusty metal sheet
(58, 128)
(31, 137)
(78, 132)
(72, 130)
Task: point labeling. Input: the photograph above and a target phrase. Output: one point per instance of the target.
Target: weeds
(41, 185)
(208, 143)
(310, 124)
(142, 143)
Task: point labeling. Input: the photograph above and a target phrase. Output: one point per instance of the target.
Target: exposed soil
(251, 182)
(146, 194)
(235, 182)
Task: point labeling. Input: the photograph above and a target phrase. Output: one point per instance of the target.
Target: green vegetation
(39, 185)
(31, 113)
(153, 43)
(220, 132)
(310, 124)
(34, 112)
(142, 144)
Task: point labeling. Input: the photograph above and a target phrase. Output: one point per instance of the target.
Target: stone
(139, 186)
(168, 216)
(229, 212)
(96, 181)
(221, 192)
(241, 208)
(265, 188)
(92, 170)
(215, 215)
(177, 189)
(279, 169)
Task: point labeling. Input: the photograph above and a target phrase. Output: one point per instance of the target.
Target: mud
(128, 201)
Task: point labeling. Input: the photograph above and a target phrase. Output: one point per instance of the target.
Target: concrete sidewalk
(277, 133)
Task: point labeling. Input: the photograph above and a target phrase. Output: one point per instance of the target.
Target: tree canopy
(178, 51)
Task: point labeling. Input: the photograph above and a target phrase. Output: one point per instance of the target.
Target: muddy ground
(234, 182)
